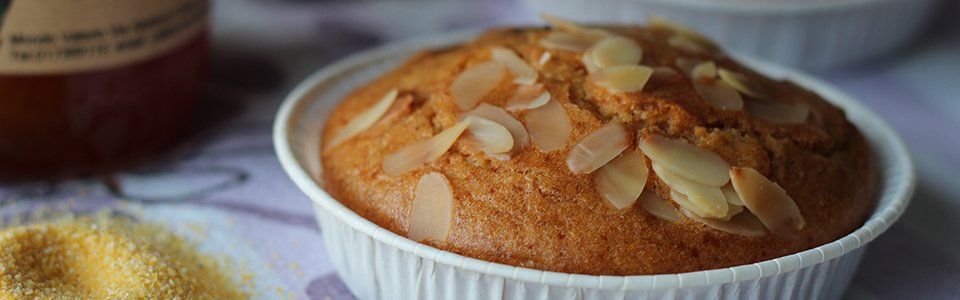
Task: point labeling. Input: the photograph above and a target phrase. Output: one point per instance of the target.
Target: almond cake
(605, 150)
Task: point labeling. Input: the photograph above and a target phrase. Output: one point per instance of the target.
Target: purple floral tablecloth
(224, 188)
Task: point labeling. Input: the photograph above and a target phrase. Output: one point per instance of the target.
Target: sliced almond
(622, 79)
(657, 206)
(685, 43)
(527, 97)
(778, 112)
(732, 211)
(493, 113)
(565, 41)
(687, 65)
(489, 135)
(545, 58)
(572, 27)
(684, 37)
(417, 154)
(662, 73)
(768, 201)
(402, 106)
(431, 211)
(587, 60)
(475, 82)
(621, 180)
(744, 84)
(615, 51)
(685, 204)
(472, 143)
(363, 120)
(499, 156)
(521, 71)
(709, 200)
(598, 148)
(718, 94)
(704, 70)
(688, 160)
(549, 126)
(658, 22)
(744, 224)
(731, 195)
(562, 24)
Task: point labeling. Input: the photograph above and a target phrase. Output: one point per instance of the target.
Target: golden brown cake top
(598, 150)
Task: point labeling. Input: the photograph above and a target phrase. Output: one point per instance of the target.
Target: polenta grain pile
(105, 257)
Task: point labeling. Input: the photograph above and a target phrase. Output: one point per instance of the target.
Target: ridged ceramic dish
(378, 264)
(808, 34)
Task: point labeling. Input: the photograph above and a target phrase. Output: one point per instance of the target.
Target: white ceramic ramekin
(809, 34)
(378, 264)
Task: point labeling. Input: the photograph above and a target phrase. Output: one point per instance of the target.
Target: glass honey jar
(93, 85)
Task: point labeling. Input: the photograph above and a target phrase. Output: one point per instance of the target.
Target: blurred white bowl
(807, 34)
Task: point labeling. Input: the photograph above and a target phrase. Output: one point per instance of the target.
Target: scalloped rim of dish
(879, 221)
(780, 6)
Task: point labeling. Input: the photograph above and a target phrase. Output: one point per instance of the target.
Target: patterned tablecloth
(224, 188)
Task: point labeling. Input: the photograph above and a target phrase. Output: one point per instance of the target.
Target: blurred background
(900, 57)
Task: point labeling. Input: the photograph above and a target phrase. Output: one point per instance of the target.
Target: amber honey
(88, 97)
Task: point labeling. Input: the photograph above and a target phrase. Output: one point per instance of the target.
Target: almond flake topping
(778, 112)
(731, 195)
(565, 41)
(562, 24)
(615, 51)
(489, 135)
(431, 211)
(657, 206)
(545, 58)
(656, 21)
(527, 97)
(704, 70)
(768, 201)
(622, 180)
(685, 38)
(662, 73)
(744, 224)
(573, 27)
(419, 153)
(744, 84)
(401, 106)
(688, 160)
(718, 94)
(549, 126)
(493, 113)
(687, 65)
(587, 60)
(685, 43)
(364, 120)
(685, 204)
(622, 79)
(521, 71)
(732, 211)
(707, 201)
(598, 148)
(475, 82)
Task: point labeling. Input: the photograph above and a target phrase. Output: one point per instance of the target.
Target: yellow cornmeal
(105, 257)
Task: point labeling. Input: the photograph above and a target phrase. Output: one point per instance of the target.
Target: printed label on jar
(61, 36)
